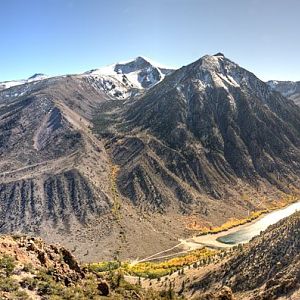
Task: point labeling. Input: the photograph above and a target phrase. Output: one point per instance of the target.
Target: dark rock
(103, 288)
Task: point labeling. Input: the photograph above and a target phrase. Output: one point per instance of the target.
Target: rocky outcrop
(29, 250)
(32, 269)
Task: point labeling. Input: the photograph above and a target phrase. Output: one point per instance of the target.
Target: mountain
(57, 179)
(54, 172)
(122, 162)
(121, 79)
(139, 72)
(289, 89)
(206, 131)
(35, 77)
(266, 268)
(118, 80)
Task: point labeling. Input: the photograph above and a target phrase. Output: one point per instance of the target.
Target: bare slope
(54, 172)
(57, 179)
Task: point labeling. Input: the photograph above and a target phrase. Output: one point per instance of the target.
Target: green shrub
(28, 268)
(7, 264)
(8, 285)
(105, 266)
(28, 283)
(20, 295)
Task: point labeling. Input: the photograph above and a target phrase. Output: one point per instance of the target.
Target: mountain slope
(57, 179)
(266, 268)
(289, 89)
(210, 130)
(54, 172)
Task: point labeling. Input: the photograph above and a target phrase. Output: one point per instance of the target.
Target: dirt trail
(36, 170)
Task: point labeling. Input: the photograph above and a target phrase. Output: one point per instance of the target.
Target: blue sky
(72, 36)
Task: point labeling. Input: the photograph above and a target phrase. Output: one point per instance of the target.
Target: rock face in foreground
(266, 268)
(33, 270)
(31, 267)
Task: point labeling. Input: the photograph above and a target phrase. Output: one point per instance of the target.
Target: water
(246, 233)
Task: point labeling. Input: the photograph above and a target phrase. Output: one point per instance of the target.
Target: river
(234, 236)
(244, 233)
(251, 230)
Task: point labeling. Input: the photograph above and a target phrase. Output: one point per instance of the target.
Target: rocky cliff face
(31, 269)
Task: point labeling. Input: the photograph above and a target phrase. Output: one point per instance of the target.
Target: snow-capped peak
(221, 71)
(157, 64)
(8, 84)
(139, 72)
(286, 88)
(37, 76)
(217, 71)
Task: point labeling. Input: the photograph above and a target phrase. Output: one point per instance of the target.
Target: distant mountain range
(116, 79)
(142, 73)
(123, 160)
(289, 89)
(35, 77)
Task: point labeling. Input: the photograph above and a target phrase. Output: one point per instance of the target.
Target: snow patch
(8, 84)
